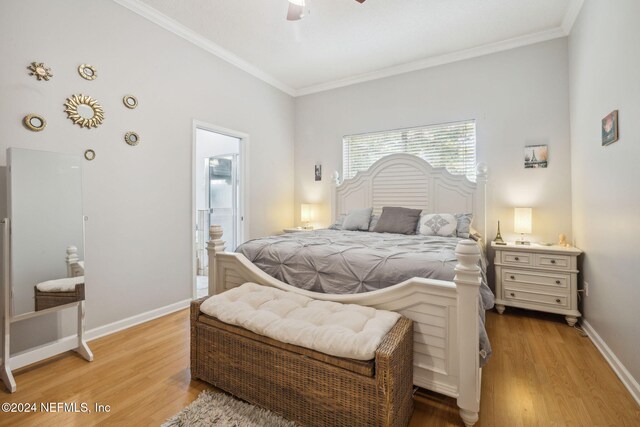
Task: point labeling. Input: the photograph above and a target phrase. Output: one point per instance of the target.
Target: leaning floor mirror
(43, 249)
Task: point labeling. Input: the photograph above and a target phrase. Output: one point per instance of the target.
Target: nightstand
(537, 277)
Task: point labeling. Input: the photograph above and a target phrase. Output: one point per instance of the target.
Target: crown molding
(437, 60)
(153, 15)
(573, 10)
(178, 29)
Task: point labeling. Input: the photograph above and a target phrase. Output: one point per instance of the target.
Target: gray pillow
(338, 224)
(398, 220)
(374, 221)
(464, 224)
(357, 219)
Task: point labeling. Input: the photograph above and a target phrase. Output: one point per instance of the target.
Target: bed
(447, 326)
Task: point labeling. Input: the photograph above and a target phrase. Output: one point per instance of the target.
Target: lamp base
(522, 242)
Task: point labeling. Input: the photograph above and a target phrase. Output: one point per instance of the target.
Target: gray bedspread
(348, 262)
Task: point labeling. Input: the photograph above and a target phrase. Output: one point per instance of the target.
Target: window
(449, 145)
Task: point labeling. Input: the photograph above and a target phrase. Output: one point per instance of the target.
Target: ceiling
(342, 42)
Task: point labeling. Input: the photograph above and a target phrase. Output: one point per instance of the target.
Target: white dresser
(537, 277)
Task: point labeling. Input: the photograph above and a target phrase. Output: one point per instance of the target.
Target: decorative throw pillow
(357, 219)
(338, 223)
(464, 224)
(397, 220)
(438, 225)
(374, 222)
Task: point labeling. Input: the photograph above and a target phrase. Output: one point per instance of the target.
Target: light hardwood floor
(543, 373)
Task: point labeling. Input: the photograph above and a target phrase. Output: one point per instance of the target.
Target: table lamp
(306, 215)
(522, 224)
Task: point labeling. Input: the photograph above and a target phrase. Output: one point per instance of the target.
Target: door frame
(243, 194)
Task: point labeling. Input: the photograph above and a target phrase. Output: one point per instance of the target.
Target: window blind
(448, 145)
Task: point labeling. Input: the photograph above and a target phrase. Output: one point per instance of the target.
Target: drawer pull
(557, 282)
(553, 261)
(512, 294)
(512, 277)
(558, 300)
(517, 258)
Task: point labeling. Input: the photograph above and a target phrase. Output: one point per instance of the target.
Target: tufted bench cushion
(342, 330)
(67, 284)
(302, 384)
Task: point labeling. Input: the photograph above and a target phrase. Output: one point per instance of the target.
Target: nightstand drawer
(531, 278)
(561, 262)
(517, 258)
(535, 297)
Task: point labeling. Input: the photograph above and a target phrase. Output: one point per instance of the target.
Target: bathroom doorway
(219, 180)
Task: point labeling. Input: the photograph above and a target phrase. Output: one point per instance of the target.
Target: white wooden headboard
(411, 182)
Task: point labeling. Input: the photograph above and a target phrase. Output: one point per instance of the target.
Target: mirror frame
(39, 71)
(72, 111)
(132, 98)
(82, 71)
(30, 126)
(128, 140)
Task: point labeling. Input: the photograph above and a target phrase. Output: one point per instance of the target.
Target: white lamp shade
(306, 212)
(522, 220)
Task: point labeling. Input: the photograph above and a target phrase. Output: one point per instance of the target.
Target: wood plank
(542, 373)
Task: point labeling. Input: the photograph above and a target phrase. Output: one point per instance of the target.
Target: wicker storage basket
(308, 387)
(46, 300)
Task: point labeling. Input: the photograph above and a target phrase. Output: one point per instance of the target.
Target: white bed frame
(445, 314)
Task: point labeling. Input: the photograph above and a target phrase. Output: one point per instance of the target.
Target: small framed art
(536, 156)
(318, 172)
(610, 128)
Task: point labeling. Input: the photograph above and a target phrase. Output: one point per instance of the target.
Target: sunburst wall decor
(39, 70)
(84, 111)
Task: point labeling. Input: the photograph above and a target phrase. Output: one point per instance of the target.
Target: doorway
(219, 180)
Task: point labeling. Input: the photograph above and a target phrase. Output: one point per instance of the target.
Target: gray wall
(138, 199)
(604, 64)
(518, 97)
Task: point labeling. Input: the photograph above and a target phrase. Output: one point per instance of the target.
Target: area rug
(217, 409)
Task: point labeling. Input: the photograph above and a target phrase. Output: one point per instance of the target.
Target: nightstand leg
(500, 308)
(571, 320)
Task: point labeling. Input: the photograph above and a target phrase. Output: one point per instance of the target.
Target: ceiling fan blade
(361, 1)
(295, 12)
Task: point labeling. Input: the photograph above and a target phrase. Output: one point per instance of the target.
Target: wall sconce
(522, 224)
(307, 214)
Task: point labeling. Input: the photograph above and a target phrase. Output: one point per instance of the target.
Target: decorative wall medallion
(89, 154)
(130, 101)
(87, 72)
(131, 138)
(84, 111)
(34, 122)
(40, 71)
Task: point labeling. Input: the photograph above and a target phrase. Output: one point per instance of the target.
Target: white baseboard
(625, 376)
(61, 345)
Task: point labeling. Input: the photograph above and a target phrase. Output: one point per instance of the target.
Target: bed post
(482, 175)
(467, 280)
(72, 258)
(335, 182)
(214, 246)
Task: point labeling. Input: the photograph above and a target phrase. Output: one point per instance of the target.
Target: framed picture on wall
(536, 156)
(610, 128)
(318, 172)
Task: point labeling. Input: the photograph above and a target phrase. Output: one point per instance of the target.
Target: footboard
(445, 316)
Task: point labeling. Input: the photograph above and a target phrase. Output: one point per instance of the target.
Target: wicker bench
(45, 300)
(303, 385)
